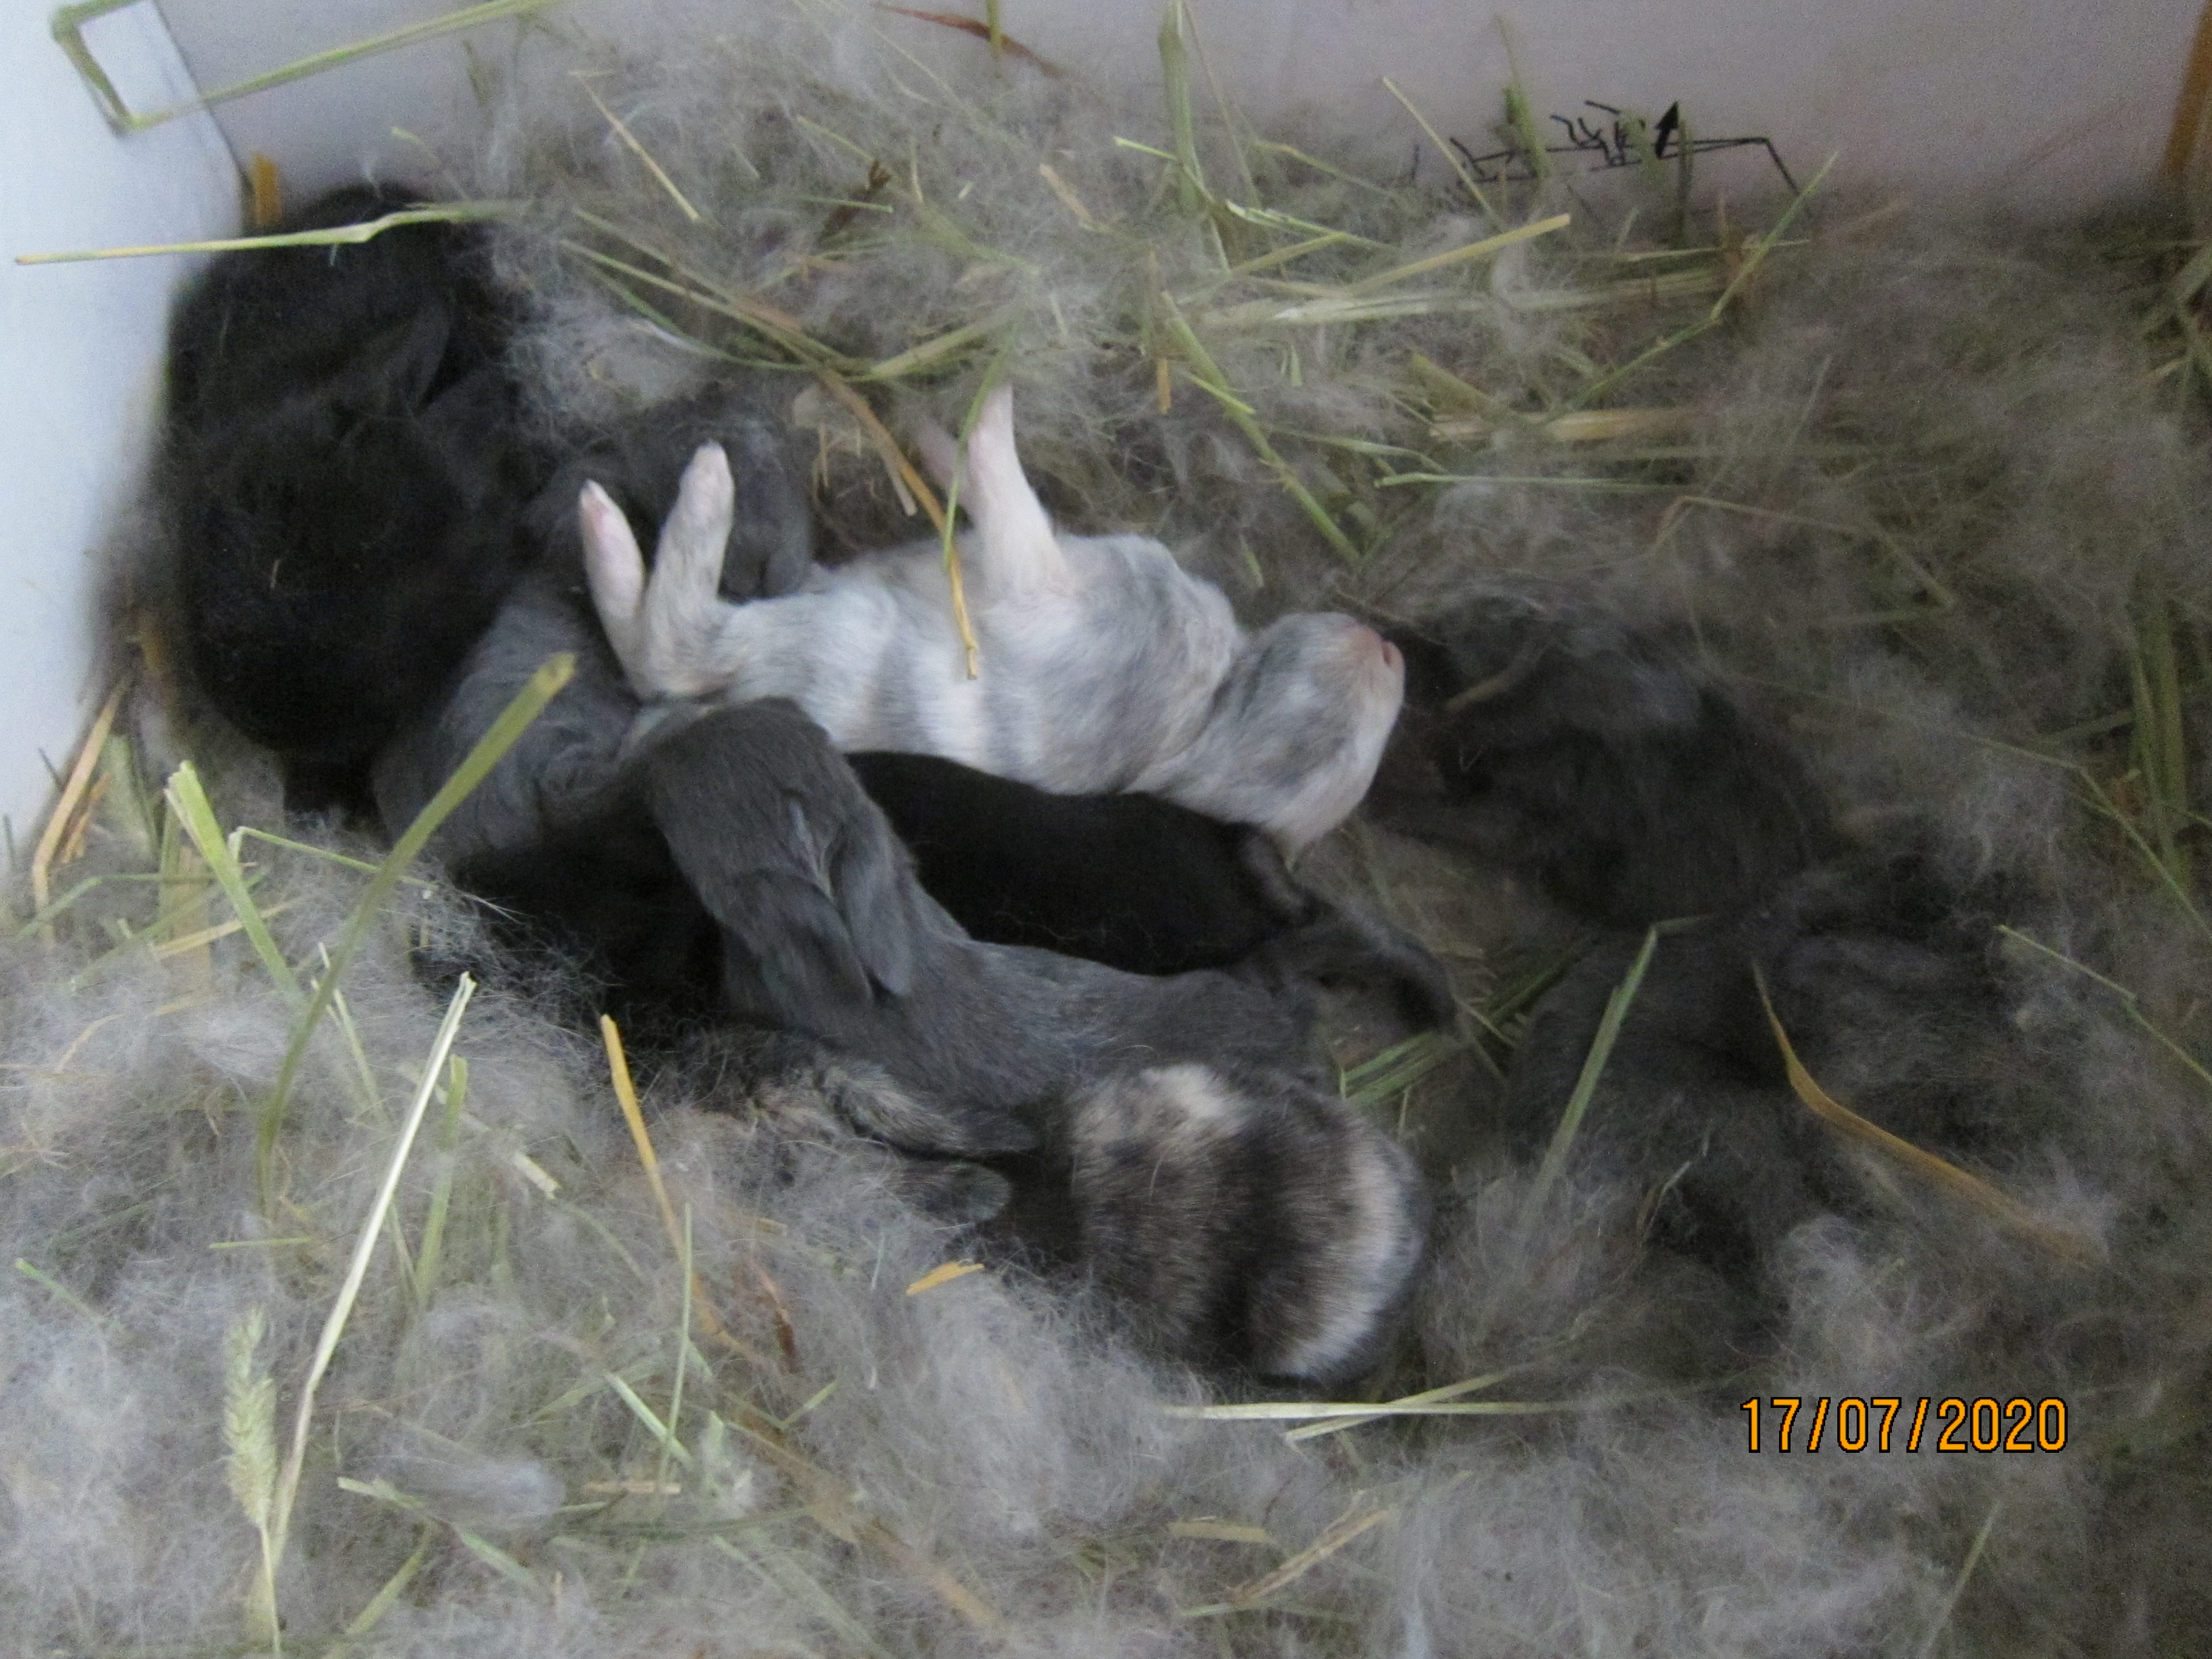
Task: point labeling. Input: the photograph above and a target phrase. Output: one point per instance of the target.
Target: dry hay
(1930, 495)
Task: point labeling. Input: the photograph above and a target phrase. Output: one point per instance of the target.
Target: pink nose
(1366, 639)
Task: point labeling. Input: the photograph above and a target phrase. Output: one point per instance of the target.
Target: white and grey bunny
(1105, 666)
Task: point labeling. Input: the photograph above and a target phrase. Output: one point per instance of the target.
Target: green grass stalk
(528, 704)
(287, 1484)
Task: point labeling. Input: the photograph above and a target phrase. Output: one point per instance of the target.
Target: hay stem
(543, 686)
(2130, 1001)
(364, 1075)
(1319, 166)
(1447, 149)
(682, 1350)
(1191, 191)
(633, 1115)
(778, 326)
(894, 458)
(62, 1293)
(834, 1507)
(1205, 374)
(491, 1554)
(931, 353)
(954, 576)
(785, 1575)
(2102, 804)
(52, 838)
(327, 855)
(430, 1255)
(1397, 1068)
(671, 1447)
(1462, 254)
(69, 33)
(631, 142)
(287, 1484)
(1585, 1089)
(1520, 125)
(1959, 1584)
(335, 236)
(61, 906)
(189, 802)
(1350, 1413)
(2161, 738)
(385, 1600)
(1359, 1518)
(1437, 1397)
(1754, 257)
(2059, 1241)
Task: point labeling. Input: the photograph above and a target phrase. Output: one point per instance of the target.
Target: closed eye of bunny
(1105, 667)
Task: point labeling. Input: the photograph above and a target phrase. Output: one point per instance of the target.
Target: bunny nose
(1368, 642)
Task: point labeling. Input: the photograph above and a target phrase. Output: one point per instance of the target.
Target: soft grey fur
(1884, 980)
(565, 763)
(1103, 664)
(1960, 463)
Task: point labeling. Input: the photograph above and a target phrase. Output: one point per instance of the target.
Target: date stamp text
(1817, 1423)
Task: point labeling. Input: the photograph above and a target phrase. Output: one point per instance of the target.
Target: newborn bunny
(1596, 760)
(344, 475)
(1135, 882)
(1884, 980)
(1105, 667)
(1248, 1215)
(1242, 1218)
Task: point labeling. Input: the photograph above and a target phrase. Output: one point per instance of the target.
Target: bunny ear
(1019, 549)
(615, 567)
(683, 604)
(940, 453)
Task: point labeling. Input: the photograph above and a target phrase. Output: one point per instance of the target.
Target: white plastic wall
(80, 357)
(2054, 104)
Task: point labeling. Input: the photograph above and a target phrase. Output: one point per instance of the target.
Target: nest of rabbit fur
(1928, 498)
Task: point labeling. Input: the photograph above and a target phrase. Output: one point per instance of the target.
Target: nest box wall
(80, 357)
(2039, 104)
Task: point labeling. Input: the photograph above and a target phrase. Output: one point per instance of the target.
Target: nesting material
(1928, 500)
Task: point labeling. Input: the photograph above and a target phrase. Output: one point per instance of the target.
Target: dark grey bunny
(1883, 978)
(1136, 883)
(554, 838)
(1277, 1228)
(1596, 760)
